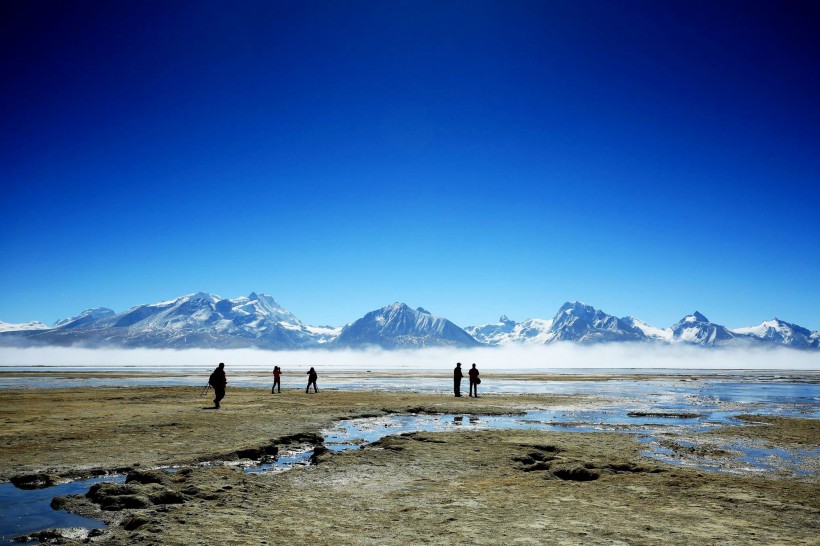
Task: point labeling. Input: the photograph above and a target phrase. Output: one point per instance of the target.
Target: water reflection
(654, 430)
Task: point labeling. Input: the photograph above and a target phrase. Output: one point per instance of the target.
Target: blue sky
(474, 158)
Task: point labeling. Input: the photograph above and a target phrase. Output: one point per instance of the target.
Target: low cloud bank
(510, 358)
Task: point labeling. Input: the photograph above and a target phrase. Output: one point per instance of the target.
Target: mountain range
(208, 321)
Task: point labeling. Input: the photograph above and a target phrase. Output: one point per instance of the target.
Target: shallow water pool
(24, 511)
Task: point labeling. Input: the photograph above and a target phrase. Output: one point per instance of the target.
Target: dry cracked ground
(470, 486)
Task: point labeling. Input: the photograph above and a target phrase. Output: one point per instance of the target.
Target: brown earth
(485, 487)
(775, 430)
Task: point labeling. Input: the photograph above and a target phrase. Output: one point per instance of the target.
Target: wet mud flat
(452, 486)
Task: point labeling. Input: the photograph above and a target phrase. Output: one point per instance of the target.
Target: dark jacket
(218, 378)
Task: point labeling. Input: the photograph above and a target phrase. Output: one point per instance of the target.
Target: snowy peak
(255, 317)
(695, 317)
(194, 320)
(261, 305)
(583, 323)
(651, 332)
(397, 326)
(22, 326)
(528, 332)
(200, 319)
(780, 332)
(534, 331)
(697, 329)
(575, 321)
(86, 317)
(265, 301)
(576, 308)
(509, 332)
(496, 333)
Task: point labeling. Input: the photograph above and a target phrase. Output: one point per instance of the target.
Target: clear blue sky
(475, 158)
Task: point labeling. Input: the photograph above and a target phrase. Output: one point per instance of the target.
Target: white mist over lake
(495, 359)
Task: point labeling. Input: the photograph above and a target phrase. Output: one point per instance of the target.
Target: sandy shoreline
(481, 486)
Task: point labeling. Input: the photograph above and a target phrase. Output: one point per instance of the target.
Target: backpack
(212, 379)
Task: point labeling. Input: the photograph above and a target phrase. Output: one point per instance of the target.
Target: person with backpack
(276, 375)
(474, 381)
(218, 380)
(312, 376)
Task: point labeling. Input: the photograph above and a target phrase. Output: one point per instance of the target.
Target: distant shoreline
(575, 381)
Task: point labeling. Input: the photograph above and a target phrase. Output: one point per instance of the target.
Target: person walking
(474, 381)
(312, 376)
(218, 380)
(277, 373)
(457, 375)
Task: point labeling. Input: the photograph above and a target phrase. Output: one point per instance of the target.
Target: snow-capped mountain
(398, 326)
(495, 333)
(324, 335)
(583, 323)
(780, 332)
(22, 326)
(576, 321)
(507, 332)
(651, 332)
(697, 329)
(195, 320)
(85, 318)
(206, 320)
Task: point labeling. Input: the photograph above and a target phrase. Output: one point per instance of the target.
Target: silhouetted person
(457, 375)
(474, 380)
(312, 375)
(218, 380)
(276, 383)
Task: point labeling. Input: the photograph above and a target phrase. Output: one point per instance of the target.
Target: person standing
(312, 376)
(474, 381)
(457, 375)
(218, 380)
(277, 373)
